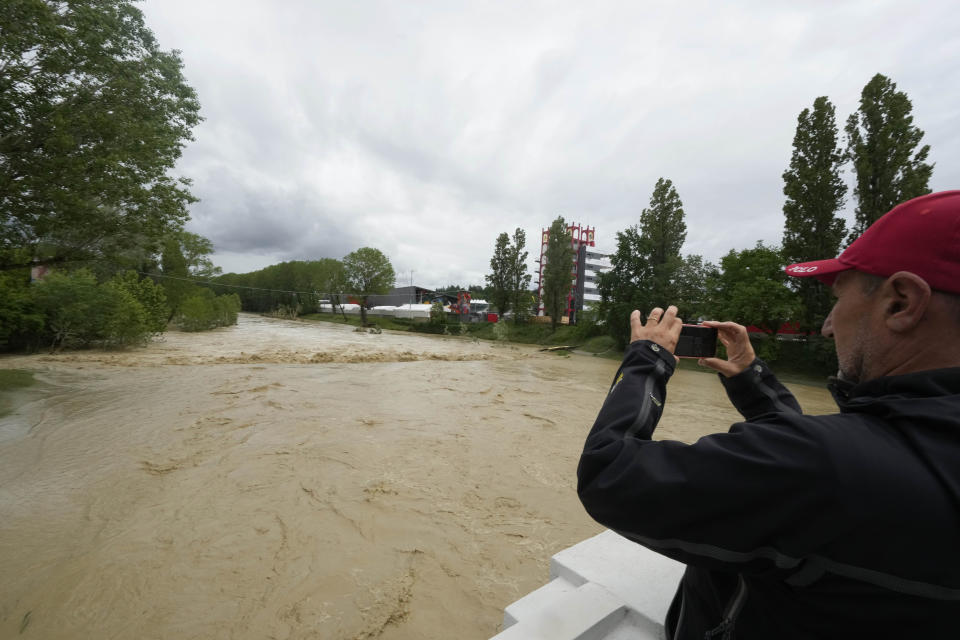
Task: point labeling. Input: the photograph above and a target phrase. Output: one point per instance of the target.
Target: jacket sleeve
(755, 391)
(753, 499)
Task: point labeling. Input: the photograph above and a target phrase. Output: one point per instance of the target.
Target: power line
(235, 286)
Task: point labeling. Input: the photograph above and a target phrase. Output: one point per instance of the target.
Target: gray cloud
(426, 129)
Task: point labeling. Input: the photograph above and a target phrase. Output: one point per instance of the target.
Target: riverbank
(525, 333)
(541, 334)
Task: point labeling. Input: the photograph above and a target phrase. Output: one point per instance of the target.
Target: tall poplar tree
(499, 277)
(624, 287)
(557, 272)
(664, 232)
(815, 193)
(519, 276)
(882, 142)
(646, 266)
(662, 223)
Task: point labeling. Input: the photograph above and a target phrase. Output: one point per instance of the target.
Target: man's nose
(827, 329)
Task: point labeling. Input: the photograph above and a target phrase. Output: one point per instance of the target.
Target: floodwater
(283, 479)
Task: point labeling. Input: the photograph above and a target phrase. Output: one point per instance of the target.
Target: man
(794, 526)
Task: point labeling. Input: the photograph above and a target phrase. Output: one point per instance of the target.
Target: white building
(594, 264)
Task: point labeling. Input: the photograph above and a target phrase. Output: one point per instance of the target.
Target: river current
(284, 479)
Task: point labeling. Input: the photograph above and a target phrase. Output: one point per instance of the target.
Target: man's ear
(907, 297)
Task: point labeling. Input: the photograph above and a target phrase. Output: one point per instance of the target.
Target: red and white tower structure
(581, 238)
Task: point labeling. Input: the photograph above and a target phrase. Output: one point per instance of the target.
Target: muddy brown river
(283, 479)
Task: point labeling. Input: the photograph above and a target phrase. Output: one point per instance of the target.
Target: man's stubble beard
(855, 365)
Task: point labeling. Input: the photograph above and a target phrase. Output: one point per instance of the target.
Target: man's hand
(661, 328)
(739, 350)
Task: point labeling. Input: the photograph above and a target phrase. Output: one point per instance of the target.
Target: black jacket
(791, 526)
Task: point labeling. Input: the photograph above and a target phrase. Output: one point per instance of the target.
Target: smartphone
(696, 341)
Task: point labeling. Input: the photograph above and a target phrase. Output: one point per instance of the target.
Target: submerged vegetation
(522, 333)
(203, 310)
(12, 380)
(76, 309)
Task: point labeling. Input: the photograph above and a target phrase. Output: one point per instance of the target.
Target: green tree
(125, 321)
(368, 273)
(752, 290)
(437, 313)
(203, 310)
(295, 284)
(625, 286)
(198, 311)
(882, 142)
(693, 282)
(646, 268)
(79, 312)
(519, 277)
(662, 223)
(93, 116)
(499, 277)
(557, 272)
(478, 291)
(176, 283)
(20, 320)
(150, 296)
(508, 280)
(196, 251)
(664, 231)
(337, 285)
(330, 281)
(71, 307)
(815, 193)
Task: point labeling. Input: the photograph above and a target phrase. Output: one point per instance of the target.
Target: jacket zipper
(725, 628)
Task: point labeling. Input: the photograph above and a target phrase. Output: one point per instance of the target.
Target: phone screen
(696, 341)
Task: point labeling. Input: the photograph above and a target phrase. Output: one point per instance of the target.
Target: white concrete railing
(605, 587)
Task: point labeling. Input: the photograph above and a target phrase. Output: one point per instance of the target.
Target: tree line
(301, 286)
(888, 163)
(103, 303)
(93, 117)
(889, 166)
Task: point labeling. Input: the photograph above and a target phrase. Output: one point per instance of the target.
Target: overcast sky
(425, 129)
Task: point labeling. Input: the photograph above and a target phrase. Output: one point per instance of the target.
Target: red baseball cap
(921, 236)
